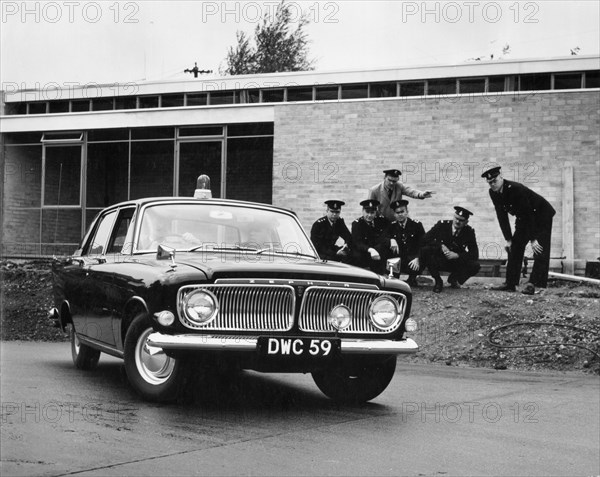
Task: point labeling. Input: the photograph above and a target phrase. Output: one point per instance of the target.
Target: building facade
(298, 139)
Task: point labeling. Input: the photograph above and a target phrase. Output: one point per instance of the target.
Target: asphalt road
(432, 420)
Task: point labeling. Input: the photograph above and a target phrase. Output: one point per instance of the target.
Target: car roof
(159, 200)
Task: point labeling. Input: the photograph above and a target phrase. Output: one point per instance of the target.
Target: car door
(97, 281)
(119, 289)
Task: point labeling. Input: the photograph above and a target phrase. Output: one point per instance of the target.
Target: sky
(77, 42)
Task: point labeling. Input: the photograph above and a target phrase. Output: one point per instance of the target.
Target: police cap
(462, 213)
(392, 172)
(491, 171)
(335, 204)
(398, 203)
(370, 204)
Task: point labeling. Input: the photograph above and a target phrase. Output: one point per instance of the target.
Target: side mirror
(166, 253)
(393, 265)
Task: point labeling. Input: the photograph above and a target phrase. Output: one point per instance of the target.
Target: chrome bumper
(249, 343)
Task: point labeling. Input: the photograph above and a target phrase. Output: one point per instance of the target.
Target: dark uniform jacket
(409, 238)
(465, 243)
(364, 236)
(530, 209)
(324, 236)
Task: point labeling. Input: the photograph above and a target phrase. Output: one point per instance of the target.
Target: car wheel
(84, 357)
(360, 384)
(153, 374)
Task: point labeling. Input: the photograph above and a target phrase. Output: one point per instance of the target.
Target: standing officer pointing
(533, 224)
(390, 190)
(330, 235)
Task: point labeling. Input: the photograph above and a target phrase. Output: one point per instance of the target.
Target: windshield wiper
(210, 248)
(238, 248)
(281, 252)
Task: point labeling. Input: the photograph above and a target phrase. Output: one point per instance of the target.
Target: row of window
(141, 134)
(330, 92)
(58, 181)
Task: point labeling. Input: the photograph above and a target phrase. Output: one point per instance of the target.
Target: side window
(97, 245)
(121, 228)
(128, 242)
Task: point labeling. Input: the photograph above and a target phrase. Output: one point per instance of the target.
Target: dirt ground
(556, 329)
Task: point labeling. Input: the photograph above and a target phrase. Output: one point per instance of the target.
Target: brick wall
(338, 150)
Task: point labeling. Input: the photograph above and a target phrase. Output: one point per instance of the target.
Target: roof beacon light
(203, 188)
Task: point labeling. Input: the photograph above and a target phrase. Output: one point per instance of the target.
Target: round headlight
(384, 312)
(340, 317)
(200, 307)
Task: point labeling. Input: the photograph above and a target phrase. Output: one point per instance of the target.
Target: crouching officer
(451, 246)
(330, 235)
(406, 240)
(370, 241)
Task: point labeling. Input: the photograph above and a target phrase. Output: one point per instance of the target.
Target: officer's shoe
(439, 285)
(528, 289)
(412, 282)
(453, 282)
(504, 287)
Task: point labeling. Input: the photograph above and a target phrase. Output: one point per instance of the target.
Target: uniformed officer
(451, 246)
(533, 224)
(406, 240)
(390, 190)
(330, 235)
(370, 241)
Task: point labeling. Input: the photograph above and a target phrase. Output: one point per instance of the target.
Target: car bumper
(249, 343)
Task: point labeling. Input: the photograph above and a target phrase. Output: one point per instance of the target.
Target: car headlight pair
(384, 314)
(200, 307)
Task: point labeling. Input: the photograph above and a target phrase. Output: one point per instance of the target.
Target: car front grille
(270, 307)
(318, 302)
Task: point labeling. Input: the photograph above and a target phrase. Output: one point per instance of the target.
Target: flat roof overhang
(246, 113)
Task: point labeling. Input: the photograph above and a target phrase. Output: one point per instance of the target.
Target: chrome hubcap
(152, 362)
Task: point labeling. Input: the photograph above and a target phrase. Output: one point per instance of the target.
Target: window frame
(63, 143)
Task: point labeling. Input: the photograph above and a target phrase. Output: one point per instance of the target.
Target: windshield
(208, 226)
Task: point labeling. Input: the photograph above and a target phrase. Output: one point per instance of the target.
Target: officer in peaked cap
(533, 223)
(370, 240)
(330, 235)
(390, 190)
(451, 246)
(406, 240)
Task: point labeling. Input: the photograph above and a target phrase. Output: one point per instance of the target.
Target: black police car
(178, 285)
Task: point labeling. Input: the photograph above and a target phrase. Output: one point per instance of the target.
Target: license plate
(306, 348)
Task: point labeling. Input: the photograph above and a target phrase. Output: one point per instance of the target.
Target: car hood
(236, 265)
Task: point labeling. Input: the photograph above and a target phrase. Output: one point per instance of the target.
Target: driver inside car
(156, 231)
